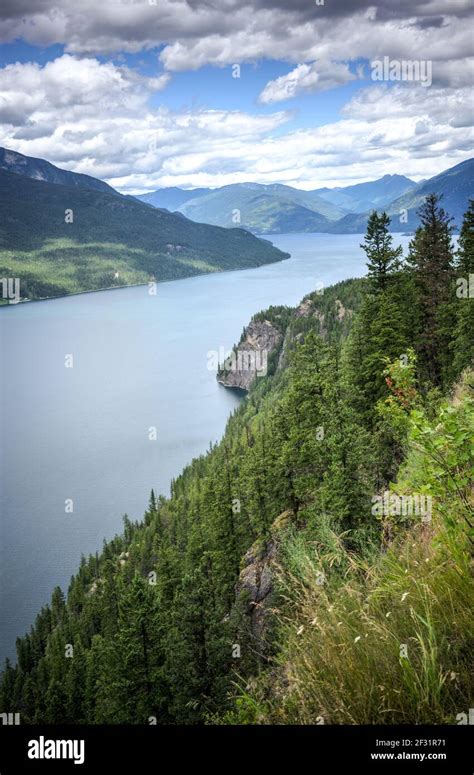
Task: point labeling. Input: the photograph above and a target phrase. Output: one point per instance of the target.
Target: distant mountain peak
(396, 176)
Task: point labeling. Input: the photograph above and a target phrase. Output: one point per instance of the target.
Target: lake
(106, 395)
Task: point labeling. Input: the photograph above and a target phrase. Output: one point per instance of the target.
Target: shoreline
(161, 282)
(137, 285)
(76, 293)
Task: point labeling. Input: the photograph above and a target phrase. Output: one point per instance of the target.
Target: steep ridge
(60, 239)
(40, 169)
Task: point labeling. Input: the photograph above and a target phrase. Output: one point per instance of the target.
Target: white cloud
(313, 78)
(281, 35)
(82, 86)
(97, 118)
(442, 106)
(195, 33)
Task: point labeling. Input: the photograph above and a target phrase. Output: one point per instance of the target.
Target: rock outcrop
(304, 309)
(255, 584)
(249, 359)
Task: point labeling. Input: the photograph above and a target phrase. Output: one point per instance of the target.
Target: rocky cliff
(249, 360)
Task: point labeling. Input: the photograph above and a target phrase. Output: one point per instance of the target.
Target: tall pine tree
(432, 261)
(465, 252)
(382, 258)
(463, 340)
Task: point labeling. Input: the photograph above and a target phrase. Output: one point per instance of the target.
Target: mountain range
(61, 233)
(367, 196)
(275, 208)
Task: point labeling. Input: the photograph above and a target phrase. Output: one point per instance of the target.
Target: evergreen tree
(465, 252)
(7, 686)
(431, 259)
(382, 258)
(463, 340)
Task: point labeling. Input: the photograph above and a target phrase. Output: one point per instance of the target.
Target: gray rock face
(256, 589)
(304, 310)
(250, 359)
(256, 584)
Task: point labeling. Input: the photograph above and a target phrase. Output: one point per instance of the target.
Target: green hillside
(268, 588)
(111, 241)
(262, 209)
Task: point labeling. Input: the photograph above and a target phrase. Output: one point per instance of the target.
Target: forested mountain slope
(273, 585)
(62, 239)
(260, 208)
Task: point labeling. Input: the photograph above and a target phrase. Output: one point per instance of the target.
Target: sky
(148, 94)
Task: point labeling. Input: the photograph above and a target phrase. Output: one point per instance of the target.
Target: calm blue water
(82, 433)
